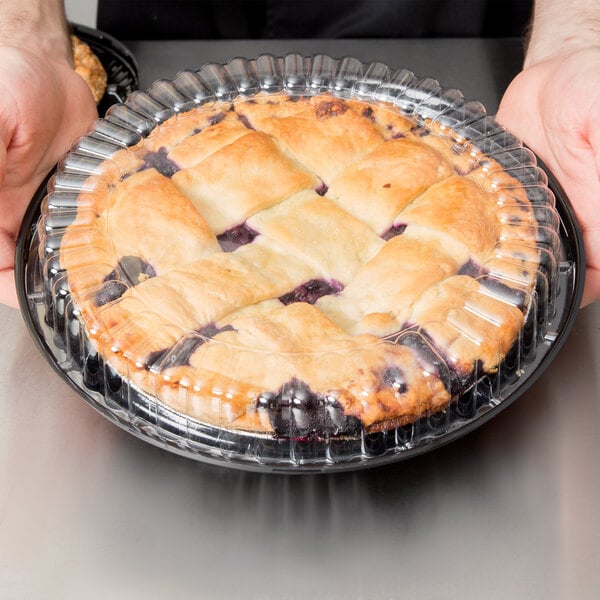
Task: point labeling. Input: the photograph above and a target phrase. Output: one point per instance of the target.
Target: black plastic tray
(162, 426)
(118, 61)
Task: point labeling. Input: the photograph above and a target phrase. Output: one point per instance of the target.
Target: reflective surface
(509, 511)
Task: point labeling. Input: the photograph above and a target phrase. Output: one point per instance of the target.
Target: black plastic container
(118, 61)
(53, 320)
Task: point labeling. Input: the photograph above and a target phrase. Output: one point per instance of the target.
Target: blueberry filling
(434, 360)
(330, 108)
(508, 294)
(179, 354)
(245, 121)
(393, 377)
(235, 237)
(368, 114)
(470, 268)
(130, 271)
(322, 189)
(296, 411)
(161, 162)
(110, 291)
(311, 291)
(420, 131)
(393, 231)
(426, 352)
(216, 119)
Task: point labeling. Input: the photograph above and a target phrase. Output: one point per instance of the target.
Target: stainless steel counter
(510, 511)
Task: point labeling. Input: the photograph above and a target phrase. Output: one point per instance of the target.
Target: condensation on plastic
(464, 124)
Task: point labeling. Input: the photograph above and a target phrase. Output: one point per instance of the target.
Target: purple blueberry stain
(311, 291)
(430, 357)
(393, 231)
(180, 353)
(161, 162)
(470, 268)
(434, 359)
(216, 119)
(110, 291)
(291, 410)
(136, 269)
(130, 271)
(322, 189)
(295, 411)
(237, 236)
(420, 131)
(502, 291)
(394, 378)
(331, 108)
(368, 114)
(245, 121)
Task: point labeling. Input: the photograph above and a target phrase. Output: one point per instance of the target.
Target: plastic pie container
(118, 61)
(136, 401)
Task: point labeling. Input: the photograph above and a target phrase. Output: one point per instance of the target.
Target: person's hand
(554, 107)
(45, 106)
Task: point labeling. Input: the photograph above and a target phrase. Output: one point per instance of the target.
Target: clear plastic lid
(300, 264)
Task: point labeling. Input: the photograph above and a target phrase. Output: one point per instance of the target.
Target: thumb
(8, 292)
(4, 142)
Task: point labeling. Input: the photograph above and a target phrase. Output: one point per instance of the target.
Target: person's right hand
(45, 106)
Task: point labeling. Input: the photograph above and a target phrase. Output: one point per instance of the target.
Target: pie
(304, 266)
(88, 65)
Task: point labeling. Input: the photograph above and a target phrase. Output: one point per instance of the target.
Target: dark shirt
(282, 19)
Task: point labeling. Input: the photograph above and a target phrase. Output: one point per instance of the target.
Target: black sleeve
(256, 19)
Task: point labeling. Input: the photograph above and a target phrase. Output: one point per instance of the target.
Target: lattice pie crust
(302, 265)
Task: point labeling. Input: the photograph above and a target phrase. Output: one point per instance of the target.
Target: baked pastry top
(302, 266)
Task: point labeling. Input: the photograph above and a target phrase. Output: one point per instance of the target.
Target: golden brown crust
(227, 195)
(376, 303)
(456, 208)
(319, 122)
(468, 324)
(378, 188)
(361, 247)
(133, 234)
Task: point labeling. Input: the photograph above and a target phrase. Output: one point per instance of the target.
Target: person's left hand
(554, 107)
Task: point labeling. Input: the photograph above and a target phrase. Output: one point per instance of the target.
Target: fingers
(8, 290)
(591, 291)
(8, 294)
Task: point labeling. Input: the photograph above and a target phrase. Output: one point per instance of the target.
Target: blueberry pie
(304, 265)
